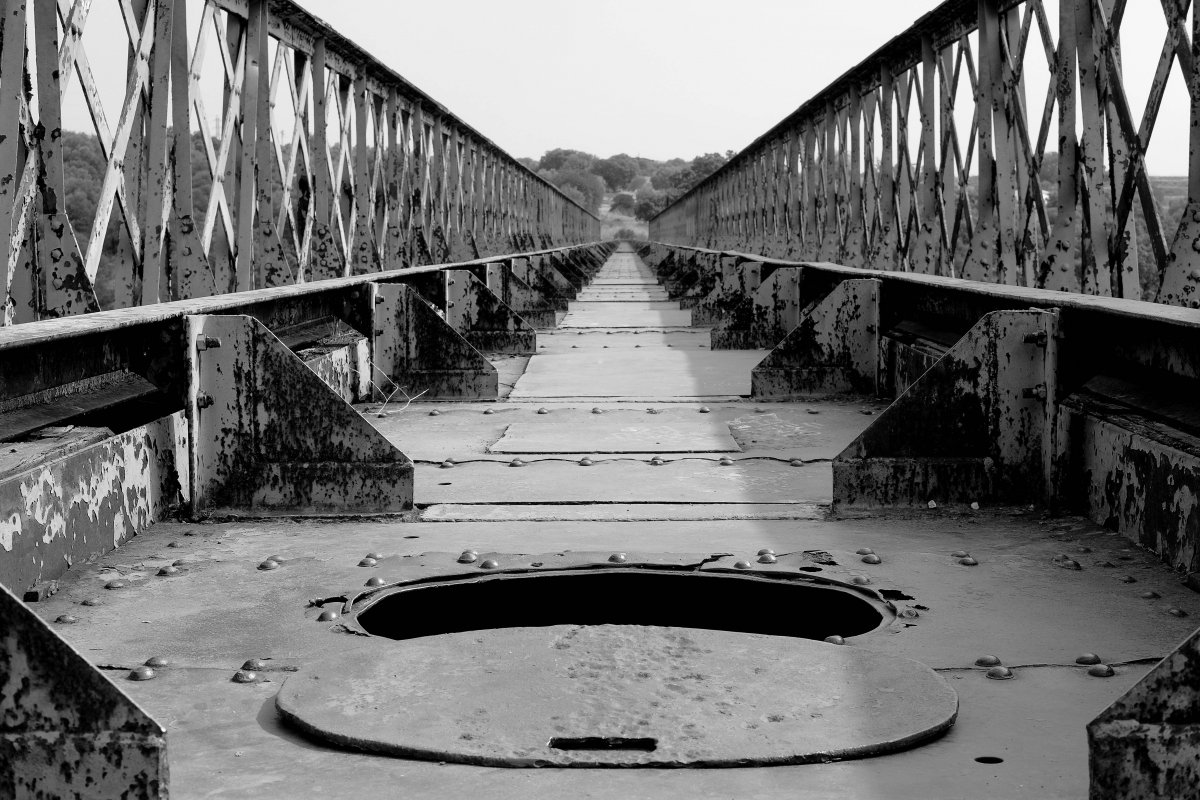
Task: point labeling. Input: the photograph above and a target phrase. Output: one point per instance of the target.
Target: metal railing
(321, 161)
(929, 157)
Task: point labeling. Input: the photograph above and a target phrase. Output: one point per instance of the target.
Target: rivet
(516, 462)
(328, 615)
(543, 411)
(375, 555)
(116, 584)
(872, 559)
(1127, 579)
(959, 554)
(1151, 595)
(367, 562)
(704, 409)
(767, 558)
(66, 619)
(988, 661)
(968, 562)
(1176, 612)
(860, 580)
(448, 464)
(725, 461)
(813, 411)
(869, 412)
(172, 544)
(741, 565)
(1066, 562)
(157, 662)
(909, 613)
(795, 462)
(435, 413)
(864, 551)
(168, 571)
(1088, 658)
(268, 565)
(489, 564)
(375, 580)
(835, 639)
(597, 411)
(254, 664)
(142, 673)
(179, 562)
(585, 462)
(381, 415)
(618, 558)
(1101, 671)
(932, 504)
(656, 461)
(974, 506)
(91, 601)
(245, 676)
(766, 551)
(1085, 549)
(489, 411)
(1000, 674)
(468, 557)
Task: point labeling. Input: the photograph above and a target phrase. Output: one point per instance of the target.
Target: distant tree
(532, 163)
(649, 205)
(588, 185)
(623, 203)
(570, 160)
(629, 235)
(617, 171)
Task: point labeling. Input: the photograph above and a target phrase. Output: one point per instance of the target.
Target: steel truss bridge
(945, 381)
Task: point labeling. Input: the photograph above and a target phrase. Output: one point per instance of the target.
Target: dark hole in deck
(645, 744)
(713, 601)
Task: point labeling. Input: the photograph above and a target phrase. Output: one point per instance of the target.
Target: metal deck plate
(602, 435)
(704, 697)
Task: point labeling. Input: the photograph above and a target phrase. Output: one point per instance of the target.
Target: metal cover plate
(599, 435)
(706, 698)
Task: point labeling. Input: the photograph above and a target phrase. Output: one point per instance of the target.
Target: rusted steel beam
(268, 436)
(483, 319)
(977, 427)
(834, 347)
(1145, 743)
(68, 730)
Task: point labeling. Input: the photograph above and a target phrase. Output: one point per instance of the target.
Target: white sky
(658, 78)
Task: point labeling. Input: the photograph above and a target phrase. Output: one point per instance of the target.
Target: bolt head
(1000, 674)
(835, 639)
(741, 565)
(872, 559)
(255, 664)
(1127, 579)
(909, 613)
(447, 464)
(597, 410)
(618, 558)
(66, 619)
(374, 581)
(1150, 595)
(813, 411)
(117, 583)
(795, 462)
(1088, 658)
(91, 601)
(269, 564)
(489, 411)
(705, 409)
(435, 413)
(142, 673)
(491, 563)
(543, 411)
(968, 562)
(988, 661)
(367, 562)
(767, 558)
(168, 571)
(373, 555)
(1176, 612)
(726, 461)
(245, 676)
(1101, 671)
(157, 662)
(765, 551)
(860, 580)
(328, 615)
(468, 557)
(516, 462)
(585, 462)
(656, 461)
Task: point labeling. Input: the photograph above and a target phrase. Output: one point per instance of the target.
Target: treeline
(640, 186)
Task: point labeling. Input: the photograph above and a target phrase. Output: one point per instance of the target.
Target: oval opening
(709, 600)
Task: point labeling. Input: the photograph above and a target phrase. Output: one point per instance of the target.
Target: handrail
(321, 162)
(882, 167)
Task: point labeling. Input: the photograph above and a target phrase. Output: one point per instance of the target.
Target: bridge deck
(661, 392)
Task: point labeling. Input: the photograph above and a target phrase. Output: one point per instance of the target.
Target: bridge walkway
(625, 383)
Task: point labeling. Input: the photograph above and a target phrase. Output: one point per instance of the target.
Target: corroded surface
(706, 697)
